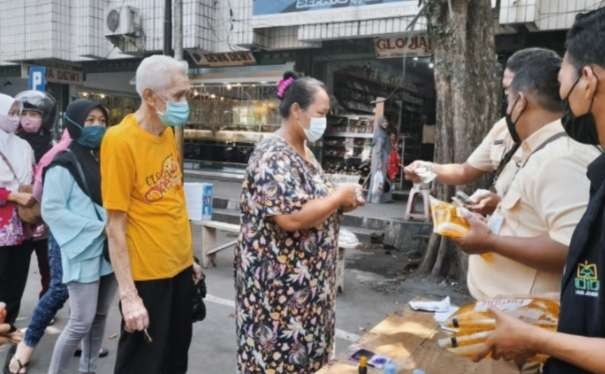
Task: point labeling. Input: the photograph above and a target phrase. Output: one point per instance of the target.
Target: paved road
(362, 305)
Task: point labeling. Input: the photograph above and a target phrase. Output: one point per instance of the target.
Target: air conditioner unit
(121, 21)
(124, 29)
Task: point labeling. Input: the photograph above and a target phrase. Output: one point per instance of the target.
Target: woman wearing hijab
(72, 208)
(37, 120)
(16, 170)
(52, 300)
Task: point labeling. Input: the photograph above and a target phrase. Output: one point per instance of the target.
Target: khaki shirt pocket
(508, 205)
(497, 152)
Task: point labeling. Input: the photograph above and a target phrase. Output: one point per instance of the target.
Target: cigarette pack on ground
(472, 324)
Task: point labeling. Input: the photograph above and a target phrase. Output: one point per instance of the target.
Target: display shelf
(349, 135)
(226, 135)
(377, 83)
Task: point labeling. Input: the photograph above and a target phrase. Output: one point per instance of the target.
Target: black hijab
(41, 141)
(87, 158)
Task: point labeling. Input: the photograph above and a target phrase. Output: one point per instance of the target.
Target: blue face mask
(176, 113)
(91, 136)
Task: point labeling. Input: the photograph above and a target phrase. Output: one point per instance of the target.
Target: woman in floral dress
(285, 263)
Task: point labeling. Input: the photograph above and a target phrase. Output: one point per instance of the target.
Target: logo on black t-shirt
(587, 280)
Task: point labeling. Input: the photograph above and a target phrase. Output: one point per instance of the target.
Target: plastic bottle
(363, 365)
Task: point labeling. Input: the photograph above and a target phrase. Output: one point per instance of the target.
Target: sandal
(7, 364)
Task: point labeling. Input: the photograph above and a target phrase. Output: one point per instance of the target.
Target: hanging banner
(265, 7)
(409, 45)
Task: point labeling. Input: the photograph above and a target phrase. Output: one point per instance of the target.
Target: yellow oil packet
(472, 324)
(449, 221)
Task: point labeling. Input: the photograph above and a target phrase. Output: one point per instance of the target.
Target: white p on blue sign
(37, 78)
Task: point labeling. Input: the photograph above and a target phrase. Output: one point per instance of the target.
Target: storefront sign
(225, 59)
(410, 45)
(265, 7)
(56, 75)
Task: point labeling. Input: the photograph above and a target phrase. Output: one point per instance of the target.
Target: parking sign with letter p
(37, 78)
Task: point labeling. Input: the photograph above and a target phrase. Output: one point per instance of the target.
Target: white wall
(73, 30)
(544, 14)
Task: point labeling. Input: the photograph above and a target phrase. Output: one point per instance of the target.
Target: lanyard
(542, 146)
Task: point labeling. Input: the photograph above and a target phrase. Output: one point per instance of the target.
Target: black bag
(199, 293)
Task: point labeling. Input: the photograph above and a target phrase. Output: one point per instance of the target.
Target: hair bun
(285, 83)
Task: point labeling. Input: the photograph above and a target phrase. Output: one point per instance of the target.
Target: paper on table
(431, 306)
(443, 309)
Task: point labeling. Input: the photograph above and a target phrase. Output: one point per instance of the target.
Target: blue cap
(418, 371)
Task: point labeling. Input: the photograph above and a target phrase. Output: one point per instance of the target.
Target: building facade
(239, 49)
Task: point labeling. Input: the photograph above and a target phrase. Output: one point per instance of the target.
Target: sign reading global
(264, 7)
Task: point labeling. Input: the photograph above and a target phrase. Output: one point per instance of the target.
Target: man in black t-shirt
(579, 344)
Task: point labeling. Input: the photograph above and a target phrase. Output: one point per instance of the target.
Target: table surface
(410, 339)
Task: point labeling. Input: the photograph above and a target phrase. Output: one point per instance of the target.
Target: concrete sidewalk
(231, 190)
(378, 219)
(375, 285)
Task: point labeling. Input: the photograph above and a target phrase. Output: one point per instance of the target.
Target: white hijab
(18, 152)
(6, 102)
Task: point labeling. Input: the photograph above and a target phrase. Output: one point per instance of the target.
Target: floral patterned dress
(285, 281)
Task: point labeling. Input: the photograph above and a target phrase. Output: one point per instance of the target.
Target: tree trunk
(467, 86)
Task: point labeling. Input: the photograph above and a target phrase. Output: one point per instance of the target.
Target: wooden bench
(208, 247)
(208, 242)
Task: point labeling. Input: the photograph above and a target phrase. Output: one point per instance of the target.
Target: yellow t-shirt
(141, 176)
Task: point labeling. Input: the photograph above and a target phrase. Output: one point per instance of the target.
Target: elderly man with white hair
(148, 228)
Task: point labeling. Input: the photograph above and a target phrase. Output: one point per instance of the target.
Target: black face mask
(512, 125)
(581, 128)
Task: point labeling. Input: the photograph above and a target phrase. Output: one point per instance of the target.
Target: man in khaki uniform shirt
(525, 251)
(487, 156)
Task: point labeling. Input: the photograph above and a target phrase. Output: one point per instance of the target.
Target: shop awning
(242, 74)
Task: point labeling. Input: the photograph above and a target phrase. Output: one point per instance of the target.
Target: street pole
(167, 27)
(178, 54)
(178, 29)
(178, 51)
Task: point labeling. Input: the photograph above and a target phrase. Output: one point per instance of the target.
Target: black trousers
(14, 269)
(169, 304)
(40, 248)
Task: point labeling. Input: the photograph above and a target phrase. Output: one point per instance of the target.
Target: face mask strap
(576, 83)
(512, 109)
(66, 117)
(573, 86)
(595, 91)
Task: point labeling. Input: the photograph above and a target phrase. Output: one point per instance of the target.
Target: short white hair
(156, 72)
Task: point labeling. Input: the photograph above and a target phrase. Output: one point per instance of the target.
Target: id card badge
(495, 223)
